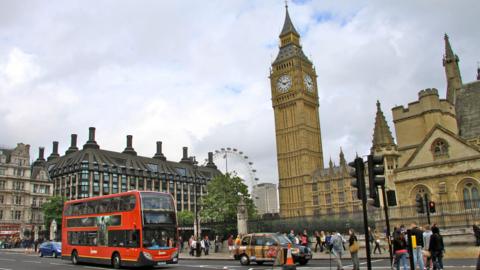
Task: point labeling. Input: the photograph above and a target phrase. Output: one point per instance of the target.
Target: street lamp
(197, 227)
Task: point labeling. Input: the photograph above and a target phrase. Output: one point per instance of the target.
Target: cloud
(195, 73)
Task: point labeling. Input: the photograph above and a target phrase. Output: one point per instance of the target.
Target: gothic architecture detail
(297, 124)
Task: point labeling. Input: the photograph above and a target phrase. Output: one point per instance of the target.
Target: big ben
(297, 123)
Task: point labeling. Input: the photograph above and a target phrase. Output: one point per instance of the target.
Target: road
(18, 261)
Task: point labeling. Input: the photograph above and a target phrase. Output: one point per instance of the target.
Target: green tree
(220, 203)
(185, 217)
(52, 209)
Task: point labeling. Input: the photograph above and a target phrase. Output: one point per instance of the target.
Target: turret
(452, 72)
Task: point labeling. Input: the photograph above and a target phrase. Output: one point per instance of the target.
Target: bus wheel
(116, 261)
(74, 257)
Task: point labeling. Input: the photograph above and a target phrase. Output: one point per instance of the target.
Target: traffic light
(419, 204)
(375, 177)
(357, 173)
(431, 207)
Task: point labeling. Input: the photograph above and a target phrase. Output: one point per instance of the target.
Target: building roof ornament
(382, 136)
(288, 25)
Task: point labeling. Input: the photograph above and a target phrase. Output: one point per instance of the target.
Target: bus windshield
(158, 237)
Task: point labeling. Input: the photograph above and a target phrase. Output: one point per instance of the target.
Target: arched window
(470, 196)
(439, 148)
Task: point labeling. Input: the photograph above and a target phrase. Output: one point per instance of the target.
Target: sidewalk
(454, 252)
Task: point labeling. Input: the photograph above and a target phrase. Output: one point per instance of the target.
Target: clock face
(284, 83)
(307, 80)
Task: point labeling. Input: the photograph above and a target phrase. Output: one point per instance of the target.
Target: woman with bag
(354, 247)
(400, 249)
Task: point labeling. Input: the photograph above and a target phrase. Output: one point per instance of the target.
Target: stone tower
(297, 124)
(452, 71)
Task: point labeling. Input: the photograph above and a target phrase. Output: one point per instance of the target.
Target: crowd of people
(28, 244)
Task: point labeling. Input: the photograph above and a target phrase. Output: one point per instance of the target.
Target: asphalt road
(17, 261)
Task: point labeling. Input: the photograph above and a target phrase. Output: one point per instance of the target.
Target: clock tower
(297, 123)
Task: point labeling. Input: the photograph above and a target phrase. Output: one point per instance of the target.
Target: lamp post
(197, 227)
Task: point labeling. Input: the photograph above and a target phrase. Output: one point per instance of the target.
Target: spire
(343, 162)
(381, 134)
(288, 25)
(452, 71)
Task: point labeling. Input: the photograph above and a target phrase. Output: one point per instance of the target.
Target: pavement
(453, 252)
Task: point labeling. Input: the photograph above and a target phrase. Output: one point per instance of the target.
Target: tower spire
(288, 27)
(382, 137)
(452, 71)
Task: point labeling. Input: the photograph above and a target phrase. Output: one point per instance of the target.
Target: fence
(459, 214)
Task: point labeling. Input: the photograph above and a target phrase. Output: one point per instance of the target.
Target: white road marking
(32, 261)
(5, 269)
(93, 267)
(10, 260)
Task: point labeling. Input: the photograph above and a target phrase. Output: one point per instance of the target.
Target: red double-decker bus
(135, 228)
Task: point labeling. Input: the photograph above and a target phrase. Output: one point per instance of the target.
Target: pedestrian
(304, 238)
(426, 242)
(353, 247)
(291, 236)
(371, 238)
(35, 243)
(400, 249)
(328, 241)
(318, 243)
(193, 246)
(217, 243)
(322, 239)
(202, 246)
(476, 232)
(180, 241)
(337, 248)
(298, 239)
(206, 244)
(230, 243)
(418, 251)
(376, 235)
(436, 248)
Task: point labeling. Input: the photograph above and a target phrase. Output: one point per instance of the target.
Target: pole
(365, 216)
(427, 208)
(410, 249)
(198, 245)
(387, 221)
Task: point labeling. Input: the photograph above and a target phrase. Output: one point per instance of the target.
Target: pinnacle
(288, 25)
(381, 134)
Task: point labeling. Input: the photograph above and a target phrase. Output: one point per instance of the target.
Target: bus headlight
(147, 255)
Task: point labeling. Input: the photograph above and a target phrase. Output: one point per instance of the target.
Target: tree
(185, 217)
(222, 198)
(52, 209)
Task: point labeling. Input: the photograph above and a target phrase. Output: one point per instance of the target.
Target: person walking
(426, 245)
(436, 248)
(193, 246)
(291, 236)
(337, 249)
(418, 251)
(371, 238)
(476, 232)
(304, 238)
(322, 241)
(376, 236)
(206, 245)
(318, 243)
(353, 247)
(400, 249)
(230, 243)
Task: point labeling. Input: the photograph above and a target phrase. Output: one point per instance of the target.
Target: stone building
(23, 189)
(91, 171)
(437, 150)
(295, 104)
(265, 198)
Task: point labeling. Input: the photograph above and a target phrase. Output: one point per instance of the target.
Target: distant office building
(265, 198)
(92, 171)
(23, 189)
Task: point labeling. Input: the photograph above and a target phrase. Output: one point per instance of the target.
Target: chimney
(73, 145)
(129, 149)
(41, 159)
(159, 154)
(91, 143)
(185, 158)
(210, 163)
(54, 153)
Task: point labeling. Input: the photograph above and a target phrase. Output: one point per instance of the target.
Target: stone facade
(297, 123)
(23, 189)
(468, 112)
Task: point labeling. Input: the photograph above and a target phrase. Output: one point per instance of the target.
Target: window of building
(314, 187)
(106, 184)
(1, 199)
(315, 200)
(470, 196)
(2, 171)
(439, 148)
(341, 197)
(34, 201)
(328, 199)
(17, 215)
(17, 200)
(327, 186)
(18, 185)
(123, 183)
(115, 183)
(1, 214)
(340, 184)
(149, 184)
(164, 185)
(2, 184)
(141, 183)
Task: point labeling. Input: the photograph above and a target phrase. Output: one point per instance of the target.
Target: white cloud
(195, 73)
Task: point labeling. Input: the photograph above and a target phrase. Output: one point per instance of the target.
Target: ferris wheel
(238, 162)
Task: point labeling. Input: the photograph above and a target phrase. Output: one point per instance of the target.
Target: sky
(195, 73)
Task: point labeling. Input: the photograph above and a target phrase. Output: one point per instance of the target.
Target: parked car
(269, 247)
(51, 249)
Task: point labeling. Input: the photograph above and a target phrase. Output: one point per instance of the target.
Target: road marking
(64, 264)
(10, 260)
(93, 267)
(5, 269)
(32, 261)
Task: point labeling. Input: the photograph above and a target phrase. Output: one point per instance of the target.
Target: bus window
(155, 238)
